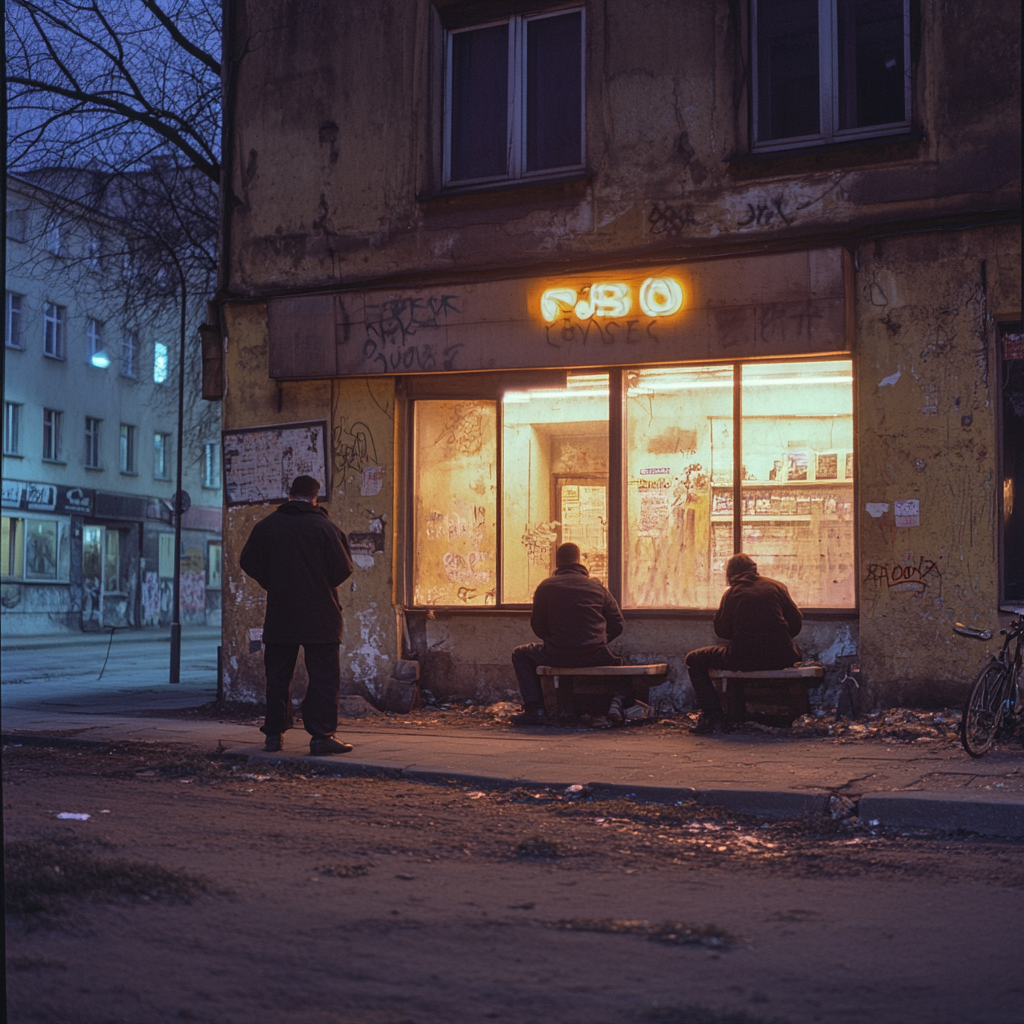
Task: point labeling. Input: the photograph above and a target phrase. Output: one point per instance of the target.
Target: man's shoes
(531, 716)
(273, 743)
(328, 745)
(615, 715)
(708, 724)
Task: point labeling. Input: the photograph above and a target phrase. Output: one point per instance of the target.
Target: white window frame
(12, 428)
(54, 330)
(165, 450)
(828, 87)
(53, 430)
(128, 449)
(130, 355)
(516, 117)
(211, 465)
(14, 321)
(92, 443)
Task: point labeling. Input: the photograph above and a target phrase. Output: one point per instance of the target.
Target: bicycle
(993, 708)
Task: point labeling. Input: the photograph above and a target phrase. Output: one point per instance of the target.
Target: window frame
(55, 317)
(211, 479)
(130, 344)
(165, 451)
(448, 387)
(828, 88)
(128, 449)
(14, 339)
(92, 443)
(516, 110)
(54, 432)
(12, 429)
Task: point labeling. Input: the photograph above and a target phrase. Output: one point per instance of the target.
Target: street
(205, 889)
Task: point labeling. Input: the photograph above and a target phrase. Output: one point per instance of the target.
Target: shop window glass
(112, 581)
(166, 559)
(679, 456)
(40, 549)
(455, 484)
(214, 565)
(1012, 461)
(12, 550)
(797, 480)
(554, 481)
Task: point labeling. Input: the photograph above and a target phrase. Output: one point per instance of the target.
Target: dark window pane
(480, 103)
(1012, 379)
(871, 66)
(553, 65)
(787, 68)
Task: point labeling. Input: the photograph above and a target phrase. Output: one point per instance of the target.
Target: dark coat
(299, 557)
(759, 619)
(572, 610)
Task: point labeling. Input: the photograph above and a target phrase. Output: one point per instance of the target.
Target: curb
(989, 814)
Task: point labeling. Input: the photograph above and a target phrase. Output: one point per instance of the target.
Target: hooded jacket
(299, 557)
(759, 619)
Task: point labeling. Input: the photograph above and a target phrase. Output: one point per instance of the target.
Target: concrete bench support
(561, 685)
(784, 686)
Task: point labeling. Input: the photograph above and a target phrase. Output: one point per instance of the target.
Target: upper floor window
(829, 70)
(13, 328)
(94, 344)
(54, 320)
(161, 455)
(211, 464)
(55, 239)
(17, 225)
(514, 99)
(129, 354)
(159, 363)
(92, 443)
(129, 453)
(53, 435)
(12, 428)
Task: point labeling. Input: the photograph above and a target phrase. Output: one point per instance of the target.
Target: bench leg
(548, 685)
(799, 700)
(735, 699)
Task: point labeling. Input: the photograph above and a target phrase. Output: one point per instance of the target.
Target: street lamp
(181, 499)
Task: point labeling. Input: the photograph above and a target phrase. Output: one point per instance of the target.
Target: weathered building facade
(668, 279)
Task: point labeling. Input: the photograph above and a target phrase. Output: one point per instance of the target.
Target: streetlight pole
(178, 496)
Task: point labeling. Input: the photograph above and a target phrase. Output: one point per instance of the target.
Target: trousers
(699, 664)
(525, 660)
(320, 705)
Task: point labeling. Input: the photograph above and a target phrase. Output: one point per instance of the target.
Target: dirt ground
(201, 889)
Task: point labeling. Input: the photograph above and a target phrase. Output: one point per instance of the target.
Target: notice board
(261, 462)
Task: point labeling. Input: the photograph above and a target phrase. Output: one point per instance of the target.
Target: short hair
(304, 487)
(738, 565)
(567, 554)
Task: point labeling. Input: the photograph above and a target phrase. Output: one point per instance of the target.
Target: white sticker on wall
(373, 480)
(908, 512)
(877, 509)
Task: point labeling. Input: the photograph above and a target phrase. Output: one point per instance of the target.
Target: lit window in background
(94, 338)
(159, 363)
(554, 481)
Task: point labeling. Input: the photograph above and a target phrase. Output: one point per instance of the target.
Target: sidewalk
(899, 785)
(122, 635)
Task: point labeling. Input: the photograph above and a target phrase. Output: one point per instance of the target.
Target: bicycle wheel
(983, 710)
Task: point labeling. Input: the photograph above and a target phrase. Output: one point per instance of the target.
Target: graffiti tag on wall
(907, 576)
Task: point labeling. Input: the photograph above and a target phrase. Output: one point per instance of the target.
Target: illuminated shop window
(554, 481)
(12, 548)
(679, 448)
(695, 486)
(455, 487)
(797, 514)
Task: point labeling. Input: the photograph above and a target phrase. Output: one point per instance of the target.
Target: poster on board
(261, 462)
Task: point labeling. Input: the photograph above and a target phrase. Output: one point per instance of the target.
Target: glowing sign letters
(658, 296)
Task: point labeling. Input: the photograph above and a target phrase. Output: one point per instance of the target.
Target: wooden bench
(561, 685)
(784, 687)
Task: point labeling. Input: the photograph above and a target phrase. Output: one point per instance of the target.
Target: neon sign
(658, 296)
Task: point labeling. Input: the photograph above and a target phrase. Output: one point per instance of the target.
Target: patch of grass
(346, 870)
(539, 848)
(671, 933)
(41, 877)
(703, 1015)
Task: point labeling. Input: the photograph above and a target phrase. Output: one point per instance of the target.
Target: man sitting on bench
(759, 619)
(575, 617)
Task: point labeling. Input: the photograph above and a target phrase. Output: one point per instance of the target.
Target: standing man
(759, 619)
(299, 557)
(576, 618)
